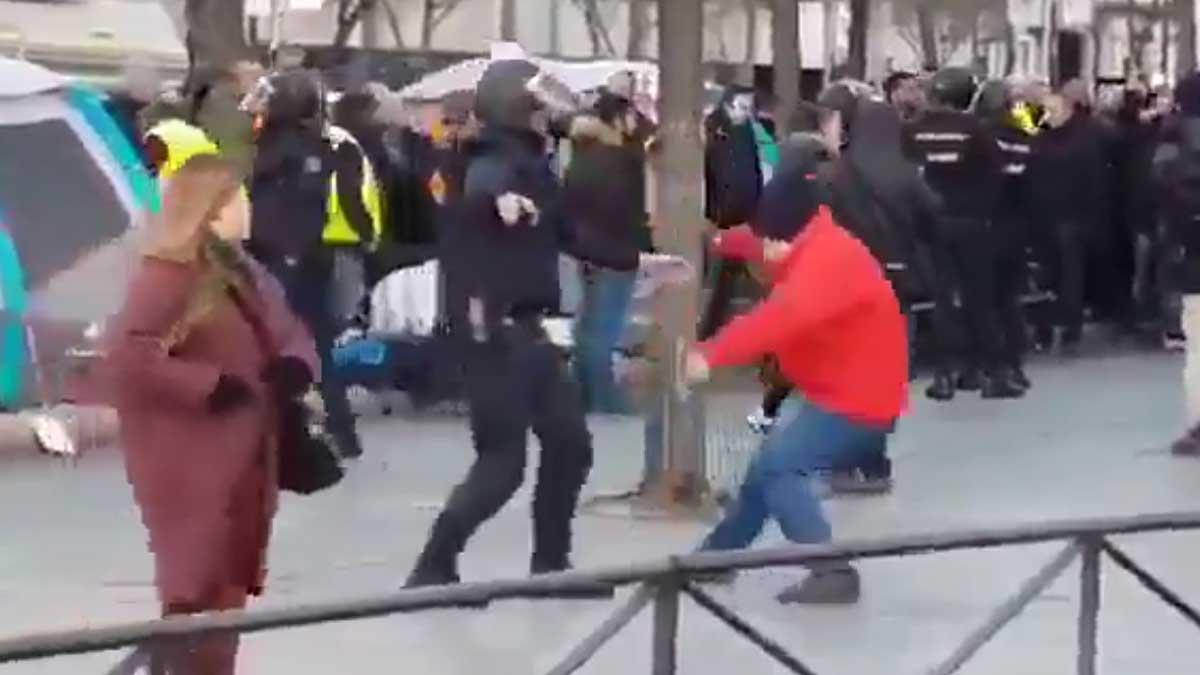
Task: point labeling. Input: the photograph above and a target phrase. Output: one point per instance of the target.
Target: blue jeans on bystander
(806, 440)
(607, 296)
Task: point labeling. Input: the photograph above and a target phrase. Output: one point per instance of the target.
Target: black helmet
(993, 100)
(953, 87)
(502, 98)
(295, 96)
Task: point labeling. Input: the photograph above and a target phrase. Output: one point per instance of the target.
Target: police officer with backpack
(961, 162)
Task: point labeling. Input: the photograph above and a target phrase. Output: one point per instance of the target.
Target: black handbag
(307, 460)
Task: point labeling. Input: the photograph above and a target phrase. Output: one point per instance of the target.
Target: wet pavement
(1088, 441)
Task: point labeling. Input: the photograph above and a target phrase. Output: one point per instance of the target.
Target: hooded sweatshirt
(832, 320)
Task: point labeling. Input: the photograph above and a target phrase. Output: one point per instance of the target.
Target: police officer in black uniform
(961, 162)
(1012, 230)
(500, 258)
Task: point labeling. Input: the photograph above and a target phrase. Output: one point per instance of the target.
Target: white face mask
(740, 109)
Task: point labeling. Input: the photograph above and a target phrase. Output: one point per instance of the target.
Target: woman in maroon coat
(199, 355)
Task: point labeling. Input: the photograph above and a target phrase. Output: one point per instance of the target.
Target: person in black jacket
(1176, 174)
(289, 191)
(604, 192)
(500, 259)
(733, 182)
(962, 164)
(1012, 229)
(1067, 179)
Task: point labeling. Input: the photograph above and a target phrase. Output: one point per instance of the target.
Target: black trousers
(307, 285)
(1065, 259)
(727, 273)
(966, 332)
(1011, 282)
(515, 384)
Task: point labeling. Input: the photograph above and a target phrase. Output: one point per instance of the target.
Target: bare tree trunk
(928, 32)
(639, 28)
(216, 36)
(785, 49)
(746, 74)
(508, 20)
(860, 22)
(1185, 60)
(1010, 47)
(427, 16)
(678, 209)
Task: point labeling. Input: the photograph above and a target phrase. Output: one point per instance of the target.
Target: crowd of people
(279, 210)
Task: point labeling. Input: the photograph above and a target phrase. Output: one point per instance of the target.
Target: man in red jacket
(834, 323)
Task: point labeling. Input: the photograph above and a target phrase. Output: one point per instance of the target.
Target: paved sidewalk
(1088, 442)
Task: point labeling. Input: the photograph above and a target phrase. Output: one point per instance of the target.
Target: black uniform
(289, 190)
(962, 164)
(1012, 236)
(501, 280)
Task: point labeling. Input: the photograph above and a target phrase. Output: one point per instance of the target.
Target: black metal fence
(662, 583)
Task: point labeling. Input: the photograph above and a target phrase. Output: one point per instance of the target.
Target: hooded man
(500, 260)
(834, 323)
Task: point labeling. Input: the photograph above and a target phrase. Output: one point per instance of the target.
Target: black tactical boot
(1000, 386)
(942, 388)
(582, 591)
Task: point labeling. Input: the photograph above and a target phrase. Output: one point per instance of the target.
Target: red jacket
(832, 320)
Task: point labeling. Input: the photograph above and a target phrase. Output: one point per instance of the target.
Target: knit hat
(789, 201)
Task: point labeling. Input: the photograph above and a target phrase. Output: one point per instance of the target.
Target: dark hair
(808, 117)
(609, 107)
(894, 81)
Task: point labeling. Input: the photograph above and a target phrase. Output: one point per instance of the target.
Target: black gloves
(288, 377)
(230, 393)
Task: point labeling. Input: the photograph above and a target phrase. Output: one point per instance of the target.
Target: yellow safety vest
(338, 231)
(184, 141)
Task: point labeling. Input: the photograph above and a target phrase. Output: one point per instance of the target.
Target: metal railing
(661, 584)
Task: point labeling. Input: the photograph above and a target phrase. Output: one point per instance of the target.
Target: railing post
(1089, 604)
(666, 626)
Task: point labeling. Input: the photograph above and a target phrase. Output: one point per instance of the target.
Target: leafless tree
(639, 28)
(508, 20)
(432, 14)
(602, 43)
(860, 19)
(215, 34)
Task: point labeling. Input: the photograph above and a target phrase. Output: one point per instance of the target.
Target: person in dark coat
(1012, 228)
(500, 259)
(733, 181)
(289, 192)
(1176, 174)
(1067, 176)
(604, 192)
(962, 163)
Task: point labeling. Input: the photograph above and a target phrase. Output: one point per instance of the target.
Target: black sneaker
(347, 445)
(942, 388)
(1001, 387)
(1017, 376)
(840, 586)
(1188, 445)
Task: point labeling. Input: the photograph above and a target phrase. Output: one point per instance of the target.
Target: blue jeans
(806, 440)
(607, 296)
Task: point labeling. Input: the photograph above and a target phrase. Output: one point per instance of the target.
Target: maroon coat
(205, 484)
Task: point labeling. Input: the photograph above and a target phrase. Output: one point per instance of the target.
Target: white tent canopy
(578, 76)
(21, 78)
